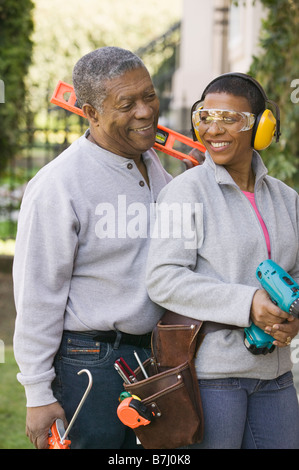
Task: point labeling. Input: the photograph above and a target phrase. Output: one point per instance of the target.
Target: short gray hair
(93, 70)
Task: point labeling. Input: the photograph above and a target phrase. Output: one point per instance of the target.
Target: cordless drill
(284, 292)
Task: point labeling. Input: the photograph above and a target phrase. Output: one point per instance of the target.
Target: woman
(240, 216)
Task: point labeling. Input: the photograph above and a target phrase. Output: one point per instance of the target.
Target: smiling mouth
(219, 145)
(141, 129)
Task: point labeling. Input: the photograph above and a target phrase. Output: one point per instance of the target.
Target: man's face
(127, 126)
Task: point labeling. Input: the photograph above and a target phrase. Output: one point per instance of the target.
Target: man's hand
(39, 420)
(198, 155)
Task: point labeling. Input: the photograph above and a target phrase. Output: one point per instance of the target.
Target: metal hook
(80, 404)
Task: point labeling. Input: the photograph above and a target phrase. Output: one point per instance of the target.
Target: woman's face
(226, 147)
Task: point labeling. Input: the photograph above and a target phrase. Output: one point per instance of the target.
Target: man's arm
(45, 250)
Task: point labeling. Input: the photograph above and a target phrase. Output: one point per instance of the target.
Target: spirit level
(64, 96)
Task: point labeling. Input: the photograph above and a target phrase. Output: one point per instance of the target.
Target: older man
(82, 242)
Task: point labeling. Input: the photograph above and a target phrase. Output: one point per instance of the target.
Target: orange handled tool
(133, 413)
(57, 434)
(64, 96)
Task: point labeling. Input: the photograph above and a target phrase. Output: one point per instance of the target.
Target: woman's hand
(272, 320)
(284, 332)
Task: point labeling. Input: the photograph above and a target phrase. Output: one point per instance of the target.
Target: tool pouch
(171, 391)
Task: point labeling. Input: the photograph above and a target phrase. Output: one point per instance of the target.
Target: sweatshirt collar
(223, 177)
(110, 158)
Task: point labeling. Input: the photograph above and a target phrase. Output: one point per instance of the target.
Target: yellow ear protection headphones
(265, 126)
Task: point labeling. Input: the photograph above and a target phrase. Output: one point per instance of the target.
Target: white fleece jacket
(212, 275)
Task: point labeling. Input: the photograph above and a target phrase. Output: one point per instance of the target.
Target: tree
(277, 69)
(64, 31)
(16, 26)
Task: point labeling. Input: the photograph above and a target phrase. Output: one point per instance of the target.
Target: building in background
(217, 36)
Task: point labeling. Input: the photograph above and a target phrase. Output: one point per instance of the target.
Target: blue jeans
(97, 425)
(250, 414)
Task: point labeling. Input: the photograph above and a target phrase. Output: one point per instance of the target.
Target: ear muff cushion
(265, 130)
(197, 135)
(195, 131)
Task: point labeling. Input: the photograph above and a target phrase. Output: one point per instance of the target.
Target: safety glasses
(232, 121)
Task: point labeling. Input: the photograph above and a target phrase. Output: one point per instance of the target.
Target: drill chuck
(294, 308)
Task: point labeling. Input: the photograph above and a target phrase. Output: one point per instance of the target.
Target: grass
(7, 247)
(12, 406)
(8, 229)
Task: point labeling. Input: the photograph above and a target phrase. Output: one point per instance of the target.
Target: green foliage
(64, 31)
(33, 59)
(277, 68)
(12, 406)
(16, 27)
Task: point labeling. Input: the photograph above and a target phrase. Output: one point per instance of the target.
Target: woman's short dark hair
(239, 86)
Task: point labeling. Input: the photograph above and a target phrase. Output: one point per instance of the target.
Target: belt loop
(117, 340)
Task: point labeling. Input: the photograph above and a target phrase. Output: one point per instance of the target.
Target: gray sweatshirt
(81, 250)
(208, 271)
